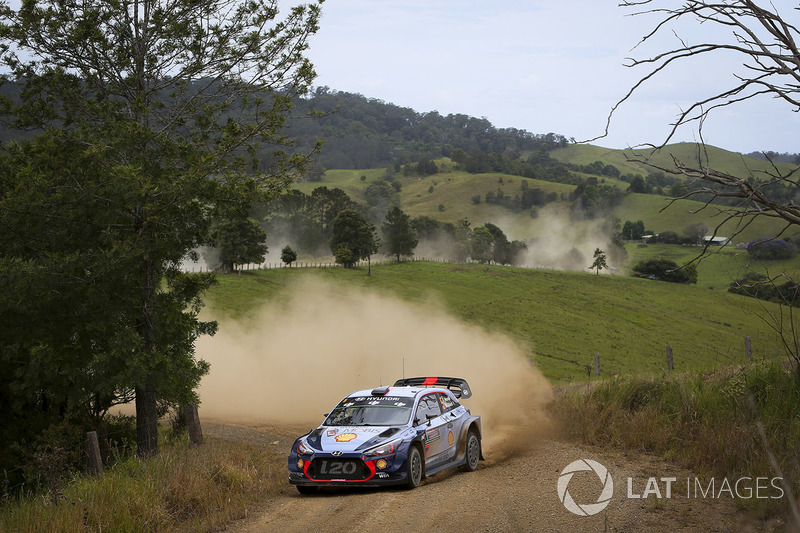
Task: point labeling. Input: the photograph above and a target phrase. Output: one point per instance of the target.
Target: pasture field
(718, 267)
(448, 197)
(559, 319)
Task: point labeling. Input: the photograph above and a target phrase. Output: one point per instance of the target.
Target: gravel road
(518, 493)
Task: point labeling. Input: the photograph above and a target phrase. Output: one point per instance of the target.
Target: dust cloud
(563, 244)
(290, 362)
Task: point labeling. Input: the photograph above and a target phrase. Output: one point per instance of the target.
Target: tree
(695, 232)
(764, 40)
(481, 244)
(354, 238)
(288, 256)
(316, 171)
(344, 256)
(398, 233)
(771, 249)
(462, 235)
(240, 240)
(633, 230)
(174, 98)
(599, 260)
(668, 237)
(426, 167)
(516, 249)
(638, 185)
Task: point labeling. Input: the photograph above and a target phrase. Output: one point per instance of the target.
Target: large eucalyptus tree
(179, 105)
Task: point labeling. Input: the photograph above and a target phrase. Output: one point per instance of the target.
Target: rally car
(393, 435)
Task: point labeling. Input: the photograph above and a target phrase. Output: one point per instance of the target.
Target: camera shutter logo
(585, 509)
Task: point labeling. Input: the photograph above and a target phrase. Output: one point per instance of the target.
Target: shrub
(667, 237)
(771, 249)
(665, 270)
(761, 287)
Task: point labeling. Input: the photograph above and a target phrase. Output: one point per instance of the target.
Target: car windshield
(371, 411)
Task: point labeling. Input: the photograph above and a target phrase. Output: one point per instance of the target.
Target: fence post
(193, 425)
(748, 348)
(597, 364)
(670, 364)
(94, 462)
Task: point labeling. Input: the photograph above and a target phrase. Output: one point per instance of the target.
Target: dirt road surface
(516, 494)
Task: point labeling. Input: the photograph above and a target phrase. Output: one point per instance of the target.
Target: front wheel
(473, 452)
(306, 489)
(413, 468)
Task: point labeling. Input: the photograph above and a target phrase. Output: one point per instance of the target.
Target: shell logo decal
(345, 437)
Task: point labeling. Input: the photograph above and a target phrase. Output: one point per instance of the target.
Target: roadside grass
(559, 319)
(182, 489)
(709, 422)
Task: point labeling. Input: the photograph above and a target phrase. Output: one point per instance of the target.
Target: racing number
(337, 467)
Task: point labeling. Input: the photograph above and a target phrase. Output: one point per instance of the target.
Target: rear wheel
(413, 468)
(473, 453)
(306, 489)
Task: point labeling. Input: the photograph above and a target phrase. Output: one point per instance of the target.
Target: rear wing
(458, 386)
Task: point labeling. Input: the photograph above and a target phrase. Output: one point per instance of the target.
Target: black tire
(473, 452)
(306, 489)
(414, 468)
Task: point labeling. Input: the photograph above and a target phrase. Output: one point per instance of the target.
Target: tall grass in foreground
(716, 425)
(182, 489)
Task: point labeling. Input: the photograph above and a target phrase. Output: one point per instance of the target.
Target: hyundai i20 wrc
(395, 435)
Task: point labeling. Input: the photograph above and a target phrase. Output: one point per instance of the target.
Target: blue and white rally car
(390, 436)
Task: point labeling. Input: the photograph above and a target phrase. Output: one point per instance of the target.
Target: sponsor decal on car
(346, 437)
(449, 438)
(332, 432)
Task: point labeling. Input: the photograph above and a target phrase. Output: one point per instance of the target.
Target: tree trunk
(146, 423)
(146, 406)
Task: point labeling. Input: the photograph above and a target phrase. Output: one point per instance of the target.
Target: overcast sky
(539, 65)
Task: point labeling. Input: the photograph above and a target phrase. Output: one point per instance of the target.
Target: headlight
(304, 449)
(384, 449)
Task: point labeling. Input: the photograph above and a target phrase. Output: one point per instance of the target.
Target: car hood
(350, 438)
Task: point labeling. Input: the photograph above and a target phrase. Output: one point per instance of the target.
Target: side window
(446, 402)
(428, 408)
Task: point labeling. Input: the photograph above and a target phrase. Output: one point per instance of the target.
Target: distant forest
(361, 132)
(775, 157)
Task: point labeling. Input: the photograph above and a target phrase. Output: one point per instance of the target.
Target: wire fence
(330, 264)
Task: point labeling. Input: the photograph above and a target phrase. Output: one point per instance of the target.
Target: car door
(429, 419)
(451, 426)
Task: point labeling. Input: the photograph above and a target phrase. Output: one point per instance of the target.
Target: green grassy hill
(455, 190)
(658, 215)
(715, 270)
(560, 319)
(448, 197)
(731, 162)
